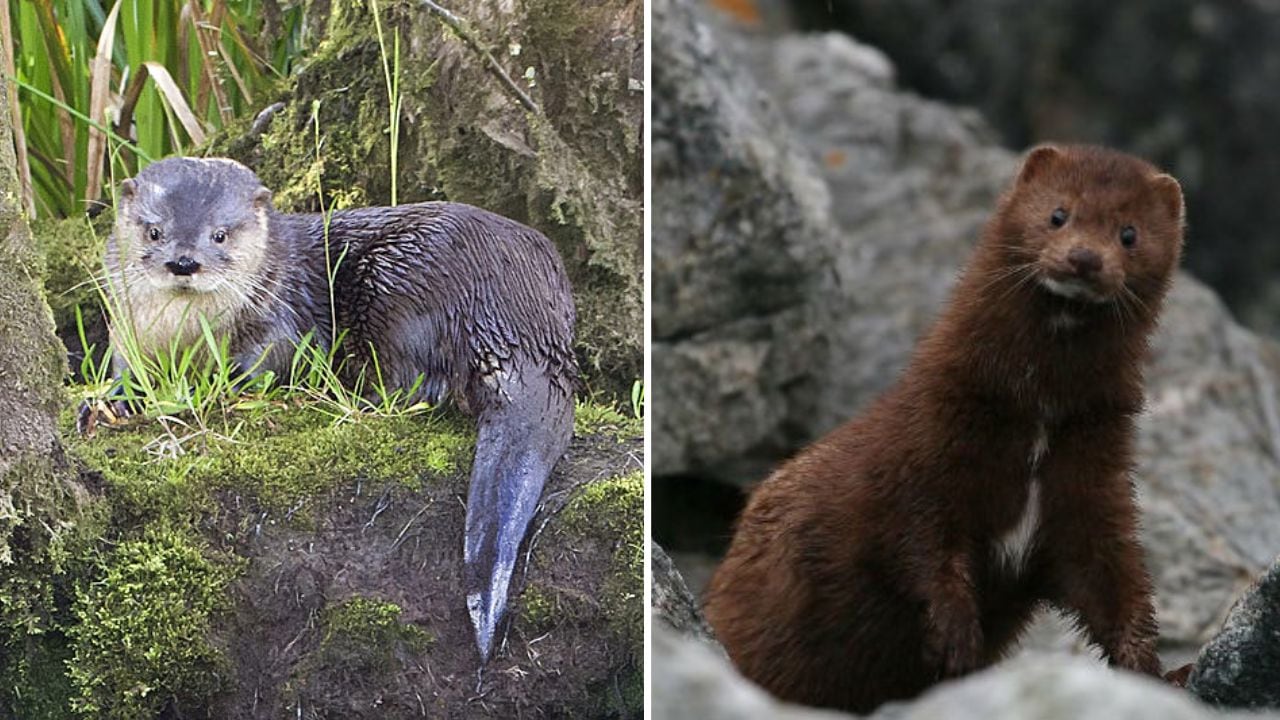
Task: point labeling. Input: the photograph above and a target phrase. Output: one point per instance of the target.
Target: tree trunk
(32, 360)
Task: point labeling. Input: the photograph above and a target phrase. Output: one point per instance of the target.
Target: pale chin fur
(162, 310)
(1072, 290)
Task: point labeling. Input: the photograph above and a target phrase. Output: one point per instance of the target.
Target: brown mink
(913, 543)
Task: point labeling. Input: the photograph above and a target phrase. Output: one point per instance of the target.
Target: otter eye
(154, 234)
(1128, 236)
(219, 236)
(1059, 217)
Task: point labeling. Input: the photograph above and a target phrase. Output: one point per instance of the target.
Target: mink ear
(1038, 161)
(1170, 193)
(127, 190)
(262, 198)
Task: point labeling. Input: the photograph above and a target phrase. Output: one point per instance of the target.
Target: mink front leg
(1091, 535)
(953, 629)
(1100, 577)
(1112, 597)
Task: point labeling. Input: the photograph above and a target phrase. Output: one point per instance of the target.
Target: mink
(913, 543)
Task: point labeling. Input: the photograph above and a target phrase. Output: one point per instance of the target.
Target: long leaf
(169, 90)
(100, 83)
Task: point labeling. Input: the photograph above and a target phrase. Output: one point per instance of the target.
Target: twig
(490, 64)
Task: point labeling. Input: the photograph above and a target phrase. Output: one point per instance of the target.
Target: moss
(618, 505)
(50, 526)
(573, 170)
(141, 639)
(72, 251)
(592, 417)
(364, 650)
(362, 635)
(537, 608)
(283, 459)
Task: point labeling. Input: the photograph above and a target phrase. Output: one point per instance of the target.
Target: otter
(450, 301)
(913, 544)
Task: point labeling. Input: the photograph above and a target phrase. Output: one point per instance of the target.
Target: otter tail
(521, 436)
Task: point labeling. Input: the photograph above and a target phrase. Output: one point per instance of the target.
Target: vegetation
(121, 592)
(134, 81)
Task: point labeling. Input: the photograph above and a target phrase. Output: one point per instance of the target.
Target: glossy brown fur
(867, 568)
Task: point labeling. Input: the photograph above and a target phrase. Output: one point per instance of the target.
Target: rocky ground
(809, 218)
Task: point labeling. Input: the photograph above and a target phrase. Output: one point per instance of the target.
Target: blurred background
(1193, 86)
(821, 171)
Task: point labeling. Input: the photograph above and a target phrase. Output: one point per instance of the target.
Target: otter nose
(1084, 261)
(184, 265)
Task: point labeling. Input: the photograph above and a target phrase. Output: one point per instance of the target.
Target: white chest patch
(1014, 546)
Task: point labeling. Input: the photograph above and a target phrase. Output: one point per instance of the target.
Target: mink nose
(1084, 261)
(184, 265)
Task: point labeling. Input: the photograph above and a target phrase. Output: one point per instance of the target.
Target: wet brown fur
(866, 568)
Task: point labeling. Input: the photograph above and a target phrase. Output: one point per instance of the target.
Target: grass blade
(177, 103)
(99, 85)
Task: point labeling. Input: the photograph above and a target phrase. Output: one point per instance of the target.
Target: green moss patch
(363, 635)
(282, 459)
(142, 634)
(592, 417)
(617, 504)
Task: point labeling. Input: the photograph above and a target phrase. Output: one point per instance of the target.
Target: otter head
(1094, 226)
(192, 227)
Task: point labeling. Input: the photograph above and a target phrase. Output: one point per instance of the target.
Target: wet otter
(475, 304)
(913, 543)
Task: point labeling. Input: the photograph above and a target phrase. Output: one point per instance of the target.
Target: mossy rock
(599, 532)
(292, 564)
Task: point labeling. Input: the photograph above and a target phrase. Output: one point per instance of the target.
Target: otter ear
(127, 190)
(1170, 194)
(1038, 161)
(262, 198)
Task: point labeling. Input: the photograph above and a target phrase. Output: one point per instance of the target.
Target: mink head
(191, 225)
(1093, 226)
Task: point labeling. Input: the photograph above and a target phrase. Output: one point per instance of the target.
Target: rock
(725, 175)
(691, 681)
(1052, 688)
(911, 183)
(1241, 666)
(573, 169)
(671, 600)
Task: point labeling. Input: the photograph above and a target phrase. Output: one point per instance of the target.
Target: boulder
(1240, 667)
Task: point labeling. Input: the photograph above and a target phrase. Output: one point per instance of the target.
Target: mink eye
(1059, 217)
(219, 236)
(1128, 236)
(154, 234)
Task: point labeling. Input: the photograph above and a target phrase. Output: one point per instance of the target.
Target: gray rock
(726, 176)
(1053, 687)
(671, 600)
(691, 681)
(1241, 666)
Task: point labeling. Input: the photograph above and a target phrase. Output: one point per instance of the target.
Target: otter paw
(101, 412)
